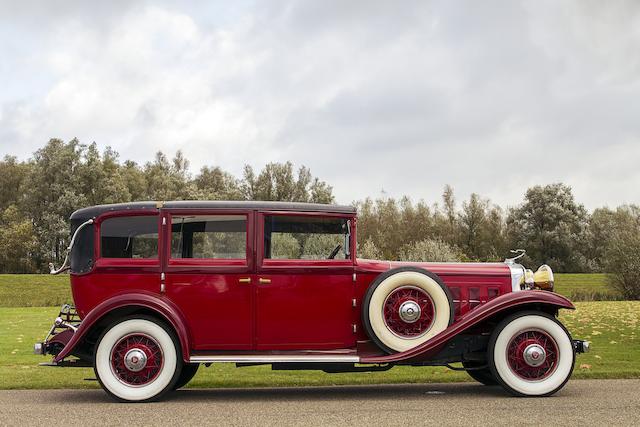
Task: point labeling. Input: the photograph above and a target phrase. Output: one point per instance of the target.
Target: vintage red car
(163, 287)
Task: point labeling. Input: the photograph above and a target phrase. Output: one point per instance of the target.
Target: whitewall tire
(531, 354)
(137, 359)
(406, 307)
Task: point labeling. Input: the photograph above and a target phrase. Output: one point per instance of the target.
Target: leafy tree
(430, 250)
(620, 258)
(551, 226)
(52, 191)
(135, 180)
(480, 229)
(213, 183)
(12, 176)
(601, 222)
(369, 250)
(99, 177)
(168, 180)
(18, 242)
(277, 181)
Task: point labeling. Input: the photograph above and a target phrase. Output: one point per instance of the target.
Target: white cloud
(490, 98)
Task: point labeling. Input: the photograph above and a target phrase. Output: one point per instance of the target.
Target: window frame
(212, 263)
(124, 262)
(266, 263)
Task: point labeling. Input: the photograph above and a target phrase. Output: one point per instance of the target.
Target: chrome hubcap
(534, 355)
(409, 311)
(135, 360)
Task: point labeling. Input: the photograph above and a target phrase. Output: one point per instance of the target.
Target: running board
(275, 358)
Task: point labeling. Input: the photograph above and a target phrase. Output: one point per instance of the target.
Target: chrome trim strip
(275, 358)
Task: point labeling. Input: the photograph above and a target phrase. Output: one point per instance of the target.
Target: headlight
(543, 278)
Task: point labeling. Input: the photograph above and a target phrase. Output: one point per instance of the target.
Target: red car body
(266, 310)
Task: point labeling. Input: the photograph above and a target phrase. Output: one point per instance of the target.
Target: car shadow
(356, 392)
(275, 394)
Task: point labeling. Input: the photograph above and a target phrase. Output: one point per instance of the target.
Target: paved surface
(584, 403)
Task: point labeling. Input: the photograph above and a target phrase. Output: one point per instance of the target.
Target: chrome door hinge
(354, 277)
(162, 286)
(353, 303)
(164, 220)
(355, 328)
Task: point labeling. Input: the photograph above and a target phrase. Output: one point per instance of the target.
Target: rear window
(129, 237)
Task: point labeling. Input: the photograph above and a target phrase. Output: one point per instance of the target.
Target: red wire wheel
(136, 359)
(532, 355)
(408, 312)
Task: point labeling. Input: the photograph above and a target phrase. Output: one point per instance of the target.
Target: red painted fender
(495, 306)
(162, 306)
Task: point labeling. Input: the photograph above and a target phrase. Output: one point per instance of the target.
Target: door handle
(264, 281)
(245, 280)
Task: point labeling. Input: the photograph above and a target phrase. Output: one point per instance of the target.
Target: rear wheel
(531, 354)
(189, 371)
(137, 359)
(480, 372)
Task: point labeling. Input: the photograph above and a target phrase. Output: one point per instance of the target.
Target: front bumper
(581, 346)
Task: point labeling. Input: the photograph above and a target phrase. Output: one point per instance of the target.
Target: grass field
(611, 326)
(34, 290)
(43, 290)
(585, 287)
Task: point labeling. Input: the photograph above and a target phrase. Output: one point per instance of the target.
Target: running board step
(275, 358)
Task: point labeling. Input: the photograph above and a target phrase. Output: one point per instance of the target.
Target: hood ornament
(520, 253)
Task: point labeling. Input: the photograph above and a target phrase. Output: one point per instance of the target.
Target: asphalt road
(584, 403)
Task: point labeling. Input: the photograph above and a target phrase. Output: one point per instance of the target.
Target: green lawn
(43, 290)
(584, 287)
(34, 290)
(611, 326)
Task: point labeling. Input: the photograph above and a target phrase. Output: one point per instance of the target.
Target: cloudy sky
(400, 96)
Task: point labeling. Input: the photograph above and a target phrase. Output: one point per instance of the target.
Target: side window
(129, 237)
(209, 236)
(304, 237)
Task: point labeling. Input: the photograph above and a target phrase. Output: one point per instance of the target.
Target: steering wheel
(334, 252)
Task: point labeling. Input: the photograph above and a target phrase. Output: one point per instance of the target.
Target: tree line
(38, 195)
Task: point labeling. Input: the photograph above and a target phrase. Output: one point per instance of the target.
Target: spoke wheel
(136, 359)
(531, 354)
(408, 312)
(405, 307)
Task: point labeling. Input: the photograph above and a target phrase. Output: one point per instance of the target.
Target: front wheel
(137, 359)
(531, 354)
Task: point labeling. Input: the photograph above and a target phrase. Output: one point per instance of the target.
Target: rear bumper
(61, 332)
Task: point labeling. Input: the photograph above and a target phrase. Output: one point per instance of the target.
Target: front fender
(165, 308)
(495, 306)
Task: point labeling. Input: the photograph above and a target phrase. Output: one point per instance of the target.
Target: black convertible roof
(94, 211)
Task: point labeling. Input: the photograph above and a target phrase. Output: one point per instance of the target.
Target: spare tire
(405, 307)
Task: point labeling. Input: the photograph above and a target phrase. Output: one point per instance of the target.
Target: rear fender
(501, 305)
(163, 308)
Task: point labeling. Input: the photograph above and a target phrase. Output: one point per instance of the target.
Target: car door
(304, 300)
(209, 261)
